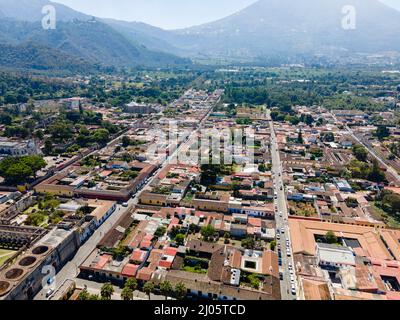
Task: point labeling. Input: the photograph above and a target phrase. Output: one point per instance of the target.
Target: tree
(376, 174)
(166, 288)
(148, 288)
(84, 295)
(180, 239)
(382, 132)
(180, 291)
(5, 119)
(262, 167)
(61, 131)
(273, 245)
(331, 238)
(360, 153)
(127, 294)
(207, 232)
(132, 284)
(300, 137)
(107, 290)
(328, 137)
(248, 243)
(20, 169)
(126, 141)
(101, 136)
(94, 297)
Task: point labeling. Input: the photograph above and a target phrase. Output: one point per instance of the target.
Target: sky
(167, 14)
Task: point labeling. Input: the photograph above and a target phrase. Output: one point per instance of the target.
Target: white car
(49, 293)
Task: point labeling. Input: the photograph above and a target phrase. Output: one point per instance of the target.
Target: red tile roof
(170, 251)
(138, 255)
(130, 270)
(103, 261)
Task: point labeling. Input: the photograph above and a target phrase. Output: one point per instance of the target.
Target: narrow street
(281, 217)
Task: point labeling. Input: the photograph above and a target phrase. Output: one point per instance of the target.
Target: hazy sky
(167, 14)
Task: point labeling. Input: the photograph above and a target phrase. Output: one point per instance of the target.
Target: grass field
(4, 255)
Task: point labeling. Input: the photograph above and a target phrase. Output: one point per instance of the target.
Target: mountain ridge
(77, 36)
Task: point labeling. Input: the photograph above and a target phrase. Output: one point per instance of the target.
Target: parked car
(49, 293)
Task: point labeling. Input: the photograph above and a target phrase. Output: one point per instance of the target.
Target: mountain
(289, 28)
(31, 10)
(151, 37)
(40, 58)
(77, 37)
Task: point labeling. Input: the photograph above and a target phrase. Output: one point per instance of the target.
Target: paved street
(281, 215)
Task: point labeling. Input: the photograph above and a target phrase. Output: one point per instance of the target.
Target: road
(389, 168)
(71, 269)
(281, 214)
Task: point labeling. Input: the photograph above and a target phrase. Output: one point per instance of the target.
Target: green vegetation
(363, 170)
(244, 121)
(45, 212)
(180, 291)
(106, 292)
(127, 292)
(166, 289)
(160, 232)
(148, 288)
(208, 233)
(304, 209)
(84, 295)
(360, 153)
(382, 132)
(195, 265)
(17, 170)
(389, 202)
(210, 173)
(328, 137)
(248, 243)
(250, 279)
(331, 238)
(5, 255)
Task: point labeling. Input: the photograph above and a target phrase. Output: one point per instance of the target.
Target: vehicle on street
(49, 293)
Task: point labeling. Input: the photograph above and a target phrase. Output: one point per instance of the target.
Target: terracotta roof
(145, 274)
(270, 264)
(104, 259)
(130, 270)
(303, 233)
(315, 290)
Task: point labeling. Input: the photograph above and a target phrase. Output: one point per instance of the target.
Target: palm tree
(166, 288)
(132, 284)
(107, 291)
(84, 295)
(180, 291)
(127, 294)
(148, 288)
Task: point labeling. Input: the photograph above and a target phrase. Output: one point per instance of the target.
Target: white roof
(335, 254)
